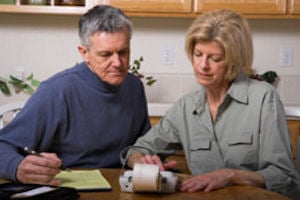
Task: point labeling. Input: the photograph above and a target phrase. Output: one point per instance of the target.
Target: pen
(28, 151)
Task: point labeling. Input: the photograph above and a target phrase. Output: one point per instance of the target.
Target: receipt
(146, 178)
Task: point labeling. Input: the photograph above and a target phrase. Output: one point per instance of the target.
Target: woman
(233, 129)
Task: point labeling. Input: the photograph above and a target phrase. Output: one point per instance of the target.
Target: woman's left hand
(207, 182)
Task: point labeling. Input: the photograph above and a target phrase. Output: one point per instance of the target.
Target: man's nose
(116, 58)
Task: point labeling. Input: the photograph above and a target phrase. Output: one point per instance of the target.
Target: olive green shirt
(250, 132)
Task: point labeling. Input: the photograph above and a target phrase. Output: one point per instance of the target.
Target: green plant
(134, 69)
(28, 85)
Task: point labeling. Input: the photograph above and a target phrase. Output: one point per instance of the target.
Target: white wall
(46, 44)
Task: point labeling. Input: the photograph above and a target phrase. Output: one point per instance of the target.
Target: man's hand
(39, 169)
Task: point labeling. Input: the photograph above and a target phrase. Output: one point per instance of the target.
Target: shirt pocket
(242, 139)
(203, 157)
(241, 151)
(201, 145)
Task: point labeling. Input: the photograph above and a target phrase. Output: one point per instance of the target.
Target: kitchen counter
(292, 112)
(158, 109)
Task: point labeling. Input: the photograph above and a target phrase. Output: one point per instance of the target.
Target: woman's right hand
(151, 159)
(163, 166)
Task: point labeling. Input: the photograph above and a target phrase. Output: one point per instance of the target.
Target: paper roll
(146, 178)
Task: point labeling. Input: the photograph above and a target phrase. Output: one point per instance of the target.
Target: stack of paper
(84, 180)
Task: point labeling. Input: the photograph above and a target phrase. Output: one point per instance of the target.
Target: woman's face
(209, 65)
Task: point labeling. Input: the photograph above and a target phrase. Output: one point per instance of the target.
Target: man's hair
(231, 31)
(102, 18)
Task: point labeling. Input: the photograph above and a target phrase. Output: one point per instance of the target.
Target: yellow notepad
(84, 180)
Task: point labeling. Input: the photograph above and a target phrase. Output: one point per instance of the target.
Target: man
(81, 117)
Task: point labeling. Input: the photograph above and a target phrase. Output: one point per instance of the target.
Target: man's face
(108, 55)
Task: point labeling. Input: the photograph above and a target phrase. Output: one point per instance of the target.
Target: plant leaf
(4, 88)
(134, 69)
(30, 77)
(20, 85)
(150, 80)
(29, 89)
(14, 80)
(35, 82)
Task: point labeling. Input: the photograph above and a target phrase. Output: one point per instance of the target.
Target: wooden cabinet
(154, 6)
(294, 127)
(154, 120)
(65, 7)
(170, 8)
(161, 8)
(244, 6)
(294, 7)
(131, 7)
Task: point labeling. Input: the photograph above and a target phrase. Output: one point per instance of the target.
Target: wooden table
(228, 193)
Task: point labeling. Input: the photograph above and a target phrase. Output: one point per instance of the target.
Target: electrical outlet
(168, 55)
(285, 57)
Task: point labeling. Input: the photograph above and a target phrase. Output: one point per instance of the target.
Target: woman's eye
(216, 59)
(197, 54)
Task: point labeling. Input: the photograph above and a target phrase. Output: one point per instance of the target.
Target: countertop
(158, 109)
(292, 112)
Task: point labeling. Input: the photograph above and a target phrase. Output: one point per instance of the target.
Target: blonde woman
(233, 129)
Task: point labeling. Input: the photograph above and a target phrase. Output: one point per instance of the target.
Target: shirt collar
(237, 91)
(239, 88)
(89, 76)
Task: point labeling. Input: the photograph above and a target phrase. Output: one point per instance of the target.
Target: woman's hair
(102, 18)
(231, 31)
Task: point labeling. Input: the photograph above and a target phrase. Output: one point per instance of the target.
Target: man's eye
(105, 55)
(123, 53)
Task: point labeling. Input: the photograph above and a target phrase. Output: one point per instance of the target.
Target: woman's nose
(203, 64)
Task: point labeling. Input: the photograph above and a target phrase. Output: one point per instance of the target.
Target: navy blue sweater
(81, 118)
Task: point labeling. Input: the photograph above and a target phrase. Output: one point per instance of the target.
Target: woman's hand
(39, 169)
(207, 182)
(220, 178)
(148, 159)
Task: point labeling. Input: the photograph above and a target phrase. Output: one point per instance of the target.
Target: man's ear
(84, 52)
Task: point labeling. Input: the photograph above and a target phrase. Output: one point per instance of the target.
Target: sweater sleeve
(33, 127)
